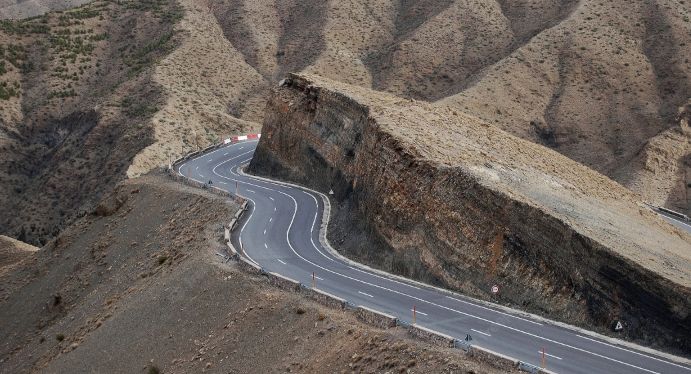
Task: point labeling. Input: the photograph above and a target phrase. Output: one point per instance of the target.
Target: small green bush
(162, 259)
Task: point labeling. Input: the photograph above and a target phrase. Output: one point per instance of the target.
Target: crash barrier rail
(674, 213)
(366, 315)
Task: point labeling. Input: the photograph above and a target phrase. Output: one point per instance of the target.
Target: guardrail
(367, 315)
(674, 213)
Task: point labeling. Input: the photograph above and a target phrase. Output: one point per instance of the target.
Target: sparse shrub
(62, 94)
(7, 91)
(153, 369)
(300, 311)
(59, 337)
(162, 259)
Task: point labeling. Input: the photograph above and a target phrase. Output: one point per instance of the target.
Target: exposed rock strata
(438, 195)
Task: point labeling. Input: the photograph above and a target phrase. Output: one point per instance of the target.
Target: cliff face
(432, 194)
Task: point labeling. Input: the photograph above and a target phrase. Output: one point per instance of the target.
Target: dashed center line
(266, 246)
(418, 312)
(271, 198)
(495, 311)
(281, 261)
(466, 302)
(271, 219)
(481, 332)
(222, 182)
(547, 354)
(316, 277)
(264, 231)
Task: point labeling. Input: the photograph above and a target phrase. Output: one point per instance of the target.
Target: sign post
(543, 357)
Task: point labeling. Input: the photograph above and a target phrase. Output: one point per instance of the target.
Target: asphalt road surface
(280, 233)
(676, 221)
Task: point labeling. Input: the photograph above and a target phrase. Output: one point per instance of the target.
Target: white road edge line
(634, 352)
(444, 307)
(492, 310)
(481, 332)
(549, 355)
(673, 219)
(366, 294)
(240, 236)
(281, 261)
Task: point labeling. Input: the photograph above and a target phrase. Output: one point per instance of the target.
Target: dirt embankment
(430, 193)
(139, 278)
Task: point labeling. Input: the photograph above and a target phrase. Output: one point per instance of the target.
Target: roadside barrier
(367, 315)
(324, 298)
(375, 318)
(681, 216)
(284, 283)
(434, 337)
(249, 266)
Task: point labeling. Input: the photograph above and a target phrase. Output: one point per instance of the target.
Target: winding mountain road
(281, 234)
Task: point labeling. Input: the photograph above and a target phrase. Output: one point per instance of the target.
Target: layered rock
(430, 193)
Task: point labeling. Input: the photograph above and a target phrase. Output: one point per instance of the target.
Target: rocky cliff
(431, 193)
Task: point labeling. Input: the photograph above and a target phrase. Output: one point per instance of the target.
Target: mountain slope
(598, 81)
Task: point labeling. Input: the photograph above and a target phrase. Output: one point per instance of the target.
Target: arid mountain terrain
(601, 82)
(559, 117)
(139, 278)
(478, 207)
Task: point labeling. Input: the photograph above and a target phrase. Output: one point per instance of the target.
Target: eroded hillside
(139, 278)
(433, 194)
(77, 97)
(598, 81)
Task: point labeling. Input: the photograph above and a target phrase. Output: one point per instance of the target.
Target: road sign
(331, 192)
(468, 337)
(495, 289)
(619, 326)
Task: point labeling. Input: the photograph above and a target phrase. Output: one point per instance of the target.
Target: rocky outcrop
(436, 195)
